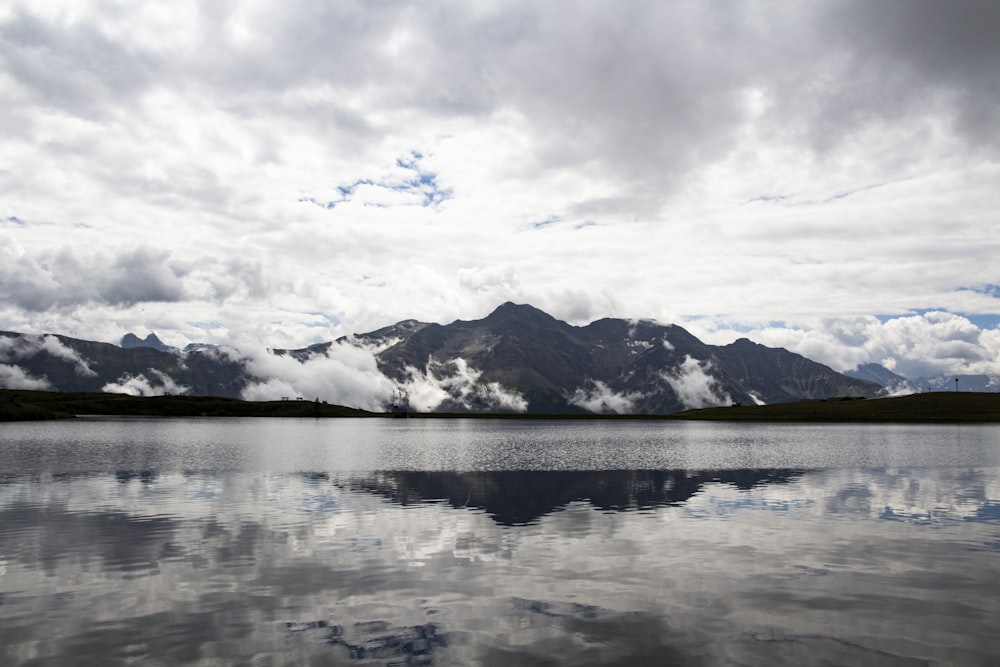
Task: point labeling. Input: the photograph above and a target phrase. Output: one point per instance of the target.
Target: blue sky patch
(419, 181)
(547, 222)
(982, 321)
(327, 320)
(737, 326)
(768, 199)
(988, 289)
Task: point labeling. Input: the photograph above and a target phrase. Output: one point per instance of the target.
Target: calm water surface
(412, 542)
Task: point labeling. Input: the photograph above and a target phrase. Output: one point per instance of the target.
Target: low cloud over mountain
(818, 176)
(517, 359)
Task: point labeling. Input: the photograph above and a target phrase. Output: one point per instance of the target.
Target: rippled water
(402, 542)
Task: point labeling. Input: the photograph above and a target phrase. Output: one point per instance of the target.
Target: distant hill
(897, 384)
(24, 405)
(517, 359)
(893, 383)
(990, 383)
(944, 407)
(928, 408)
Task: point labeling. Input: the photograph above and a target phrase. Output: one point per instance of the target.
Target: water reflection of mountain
(515, 497)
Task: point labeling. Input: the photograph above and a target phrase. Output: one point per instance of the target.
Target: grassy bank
(935, 407)
(16, 404)
(939, 407)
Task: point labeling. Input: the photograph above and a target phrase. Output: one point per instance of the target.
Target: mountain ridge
(516, 359)
(609, 365)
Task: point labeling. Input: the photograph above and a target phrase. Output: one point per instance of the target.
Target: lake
(496, 542)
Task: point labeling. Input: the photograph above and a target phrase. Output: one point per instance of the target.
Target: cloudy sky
(820, 176)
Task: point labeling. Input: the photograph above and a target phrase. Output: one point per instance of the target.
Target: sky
(819, 176)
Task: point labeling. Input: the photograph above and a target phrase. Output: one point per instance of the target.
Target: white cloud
(694, 387)
(73, 276)
(157, 383)
(15, 377)
(455, 381)
(25, 346)
(599, 398)
(746, 163)
(914, 346)
(347, 374)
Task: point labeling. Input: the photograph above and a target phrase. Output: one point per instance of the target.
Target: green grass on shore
(16, 404)
(938, 407)
(935, 407)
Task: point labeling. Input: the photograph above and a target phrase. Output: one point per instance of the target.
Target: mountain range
(517, 359)
(897, 384)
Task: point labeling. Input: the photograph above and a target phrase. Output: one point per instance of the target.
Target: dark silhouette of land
(16, 404)
(935, 407)
(519, 497)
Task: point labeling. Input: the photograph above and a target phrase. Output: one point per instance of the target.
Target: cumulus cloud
(827, 160)
(598, 397)
(156, 383)
(456, 382)
(70, 276)
(914, 346)
(15, 377)
(694, 387)
(346, 374)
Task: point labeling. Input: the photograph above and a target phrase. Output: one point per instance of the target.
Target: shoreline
(928, 408)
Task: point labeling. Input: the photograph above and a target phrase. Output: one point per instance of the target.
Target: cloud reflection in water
(592, 567)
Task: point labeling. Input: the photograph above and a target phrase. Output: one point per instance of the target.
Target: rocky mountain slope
(610, 365)
(70, 364)
(517, 359)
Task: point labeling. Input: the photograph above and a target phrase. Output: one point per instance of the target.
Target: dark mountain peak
(609, 327)
(403, 329)
(521, 311)
(521, 321)
(130, 340)
(516, 358)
